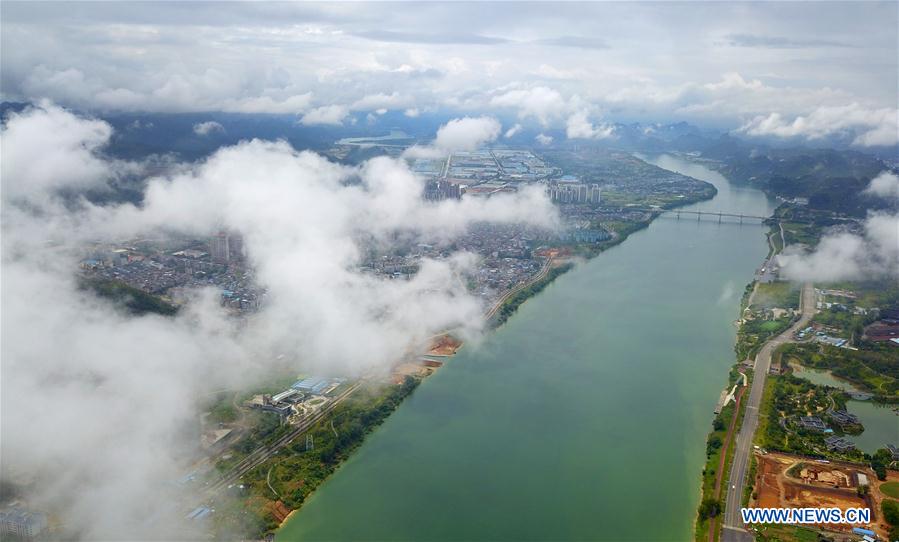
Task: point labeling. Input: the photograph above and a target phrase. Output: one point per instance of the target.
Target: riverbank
(583, 344)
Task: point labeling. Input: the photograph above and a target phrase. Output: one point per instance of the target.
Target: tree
(890, 510)
(709, 508)
(714, 444)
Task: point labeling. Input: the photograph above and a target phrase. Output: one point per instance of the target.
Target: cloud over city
(303, 220)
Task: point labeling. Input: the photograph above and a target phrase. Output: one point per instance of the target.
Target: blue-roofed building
(313, 384)
(199, 513)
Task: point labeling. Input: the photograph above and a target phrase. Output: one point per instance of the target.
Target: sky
(788, 70)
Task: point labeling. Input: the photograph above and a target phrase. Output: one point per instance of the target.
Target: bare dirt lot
(444, 346)
(796, 482)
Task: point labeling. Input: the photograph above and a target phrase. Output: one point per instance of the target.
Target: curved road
(733, 530)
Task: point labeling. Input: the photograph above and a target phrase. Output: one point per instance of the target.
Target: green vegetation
(831, 180)
(872, 368)
(890, 489)
(870, 293)
(754, 333)
(786, 398)
(511, 304)
(630, 181)
(296, 472)
(710, 508)
(266, 428)
(764, 433)
(135, 301)
(714, 449)
(222, 409)
(663, 200)
(890, 509)
(749, 490)
(771, 295)
(796, 233)
(786, 533)
(795, 470)
(774, 240)
(879, 462)
(623, 229)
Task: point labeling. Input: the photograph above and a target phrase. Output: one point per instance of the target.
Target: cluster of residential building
(838, 444)
(506, 251)
(22, 523)
(568, 189)
(821, 336)
(833, 442)
(838, 416)
(176, 274)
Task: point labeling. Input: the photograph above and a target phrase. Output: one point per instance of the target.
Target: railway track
(263, 453)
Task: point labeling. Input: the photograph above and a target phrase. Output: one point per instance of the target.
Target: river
(584, 417)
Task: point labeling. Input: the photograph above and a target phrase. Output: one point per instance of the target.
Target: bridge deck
(714, 213)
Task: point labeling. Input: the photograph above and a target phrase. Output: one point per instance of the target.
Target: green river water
(881, 422)
(584, 417)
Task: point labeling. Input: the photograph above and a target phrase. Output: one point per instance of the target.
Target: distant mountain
(831, 179)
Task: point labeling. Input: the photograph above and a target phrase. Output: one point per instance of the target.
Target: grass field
(782, 295)
(771, 326)
(890, 489)
(786, 533)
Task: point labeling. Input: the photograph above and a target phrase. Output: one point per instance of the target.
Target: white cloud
(303, 227)
(412, 112)
(268, 60)
(512, 131)
(380, 101)
(463, 134)
(326, 114)
(266, 104)
(541, 103)
(544, 139)
(467, 133)
(579, 126)
(208, 127)
(885, 185)
(871, 127)
(844, 256)
(46, 148)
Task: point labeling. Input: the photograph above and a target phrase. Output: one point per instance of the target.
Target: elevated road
(733, 528)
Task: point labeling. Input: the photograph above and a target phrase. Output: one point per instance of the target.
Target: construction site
(788, 481)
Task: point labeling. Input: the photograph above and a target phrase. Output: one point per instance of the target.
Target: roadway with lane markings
(733, 529)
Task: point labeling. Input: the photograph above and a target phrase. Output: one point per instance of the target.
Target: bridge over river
(597, 394)
(720, 215)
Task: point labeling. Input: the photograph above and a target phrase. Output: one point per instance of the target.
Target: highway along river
(584, 417)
